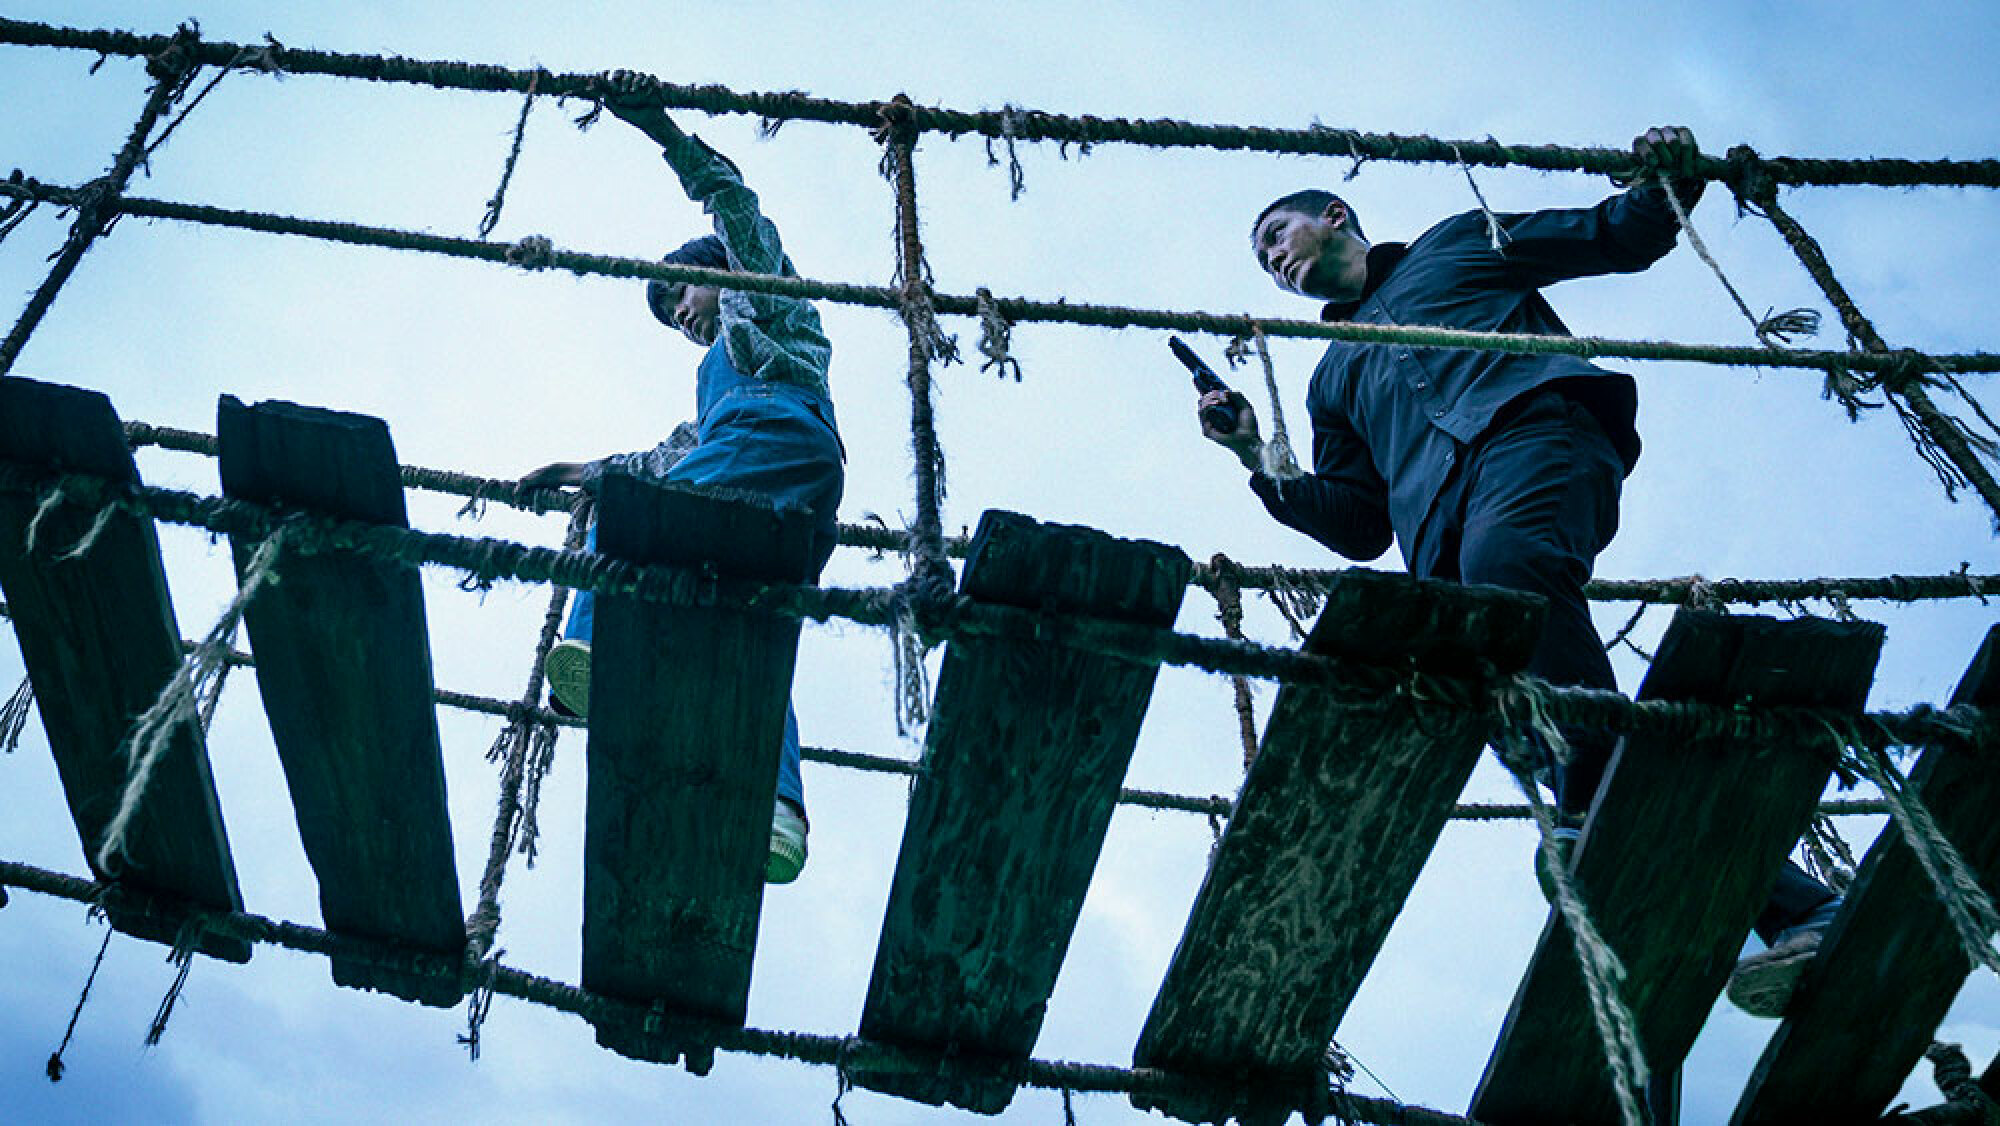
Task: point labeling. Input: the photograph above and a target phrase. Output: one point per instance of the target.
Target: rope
(1229, 611)
(1951, 449)
(1035, 125)
(930, 578)
(153, 732)
(1772, 330)
(1603, 972)
(492, 217)
(809, 1048)
(1021, 309)
(1206, 805)
(55, 1066)
(182, 957)
(1967, 1103)
(1360, 685)
(1275, 457)
(995, 337)
(14, 715)
(95, 204)
(1299, 586)
(1965, 901)
(526, 749)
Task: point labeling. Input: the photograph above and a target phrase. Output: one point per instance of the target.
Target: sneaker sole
(788, 859)
(568, 671)
(1763, 984)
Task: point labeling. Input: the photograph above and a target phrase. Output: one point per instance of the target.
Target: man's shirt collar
(1382, 258)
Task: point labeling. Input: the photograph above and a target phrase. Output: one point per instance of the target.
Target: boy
(764, 420)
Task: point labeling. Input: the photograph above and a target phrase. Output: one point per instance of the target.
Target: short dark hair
(1311, 201)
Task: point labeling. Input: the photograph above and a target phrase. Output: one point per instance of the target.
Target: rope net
(925, 610)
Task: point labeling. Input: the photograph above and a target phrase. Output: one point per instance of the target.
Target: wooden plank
(1891, 963)
(1340, 810)
(1679, 855)
(98, 636)
(687, 713)
(344, 666)
(1026, 749)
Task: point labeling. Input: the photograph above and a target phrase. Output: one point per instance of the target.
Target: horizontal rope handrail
(1215, 805)
(1016, 124)
(846, 1052)
(1896, 365)
(1674, 591)
(1356, 684)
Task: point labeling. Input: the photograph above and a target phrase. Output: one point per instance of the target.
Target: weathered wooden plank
(1679, 854)
(1026, 749)
(344, 666)
(687, 712)
(98, 636)
(1340, 810)
(1891, 963)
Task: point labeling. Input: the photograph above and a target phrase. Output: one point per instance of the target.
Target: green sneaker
(788, 844)
(567, 669)
(1566, 834)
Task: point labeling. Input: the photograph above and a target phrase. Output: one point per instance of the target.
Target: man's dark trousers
(1529, 506)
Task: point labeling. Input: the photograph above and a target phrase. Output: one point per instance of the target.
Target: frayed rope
(14, 715)
(1603, 973)
(154, 731)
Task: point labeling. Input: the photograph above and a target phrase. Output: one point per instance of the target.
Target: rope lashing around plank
(525, 748)
(801, 1047)
(1157, 800)
(1352, 683)
(1021, 309)
(1292, 581)
(1028, 125)
(155, 730)
(1602, 970)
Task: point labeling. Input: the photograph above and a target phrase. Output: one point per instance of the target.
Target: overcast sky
(493, 371)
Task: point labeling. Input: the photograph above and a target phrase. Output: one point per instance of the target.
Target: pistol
(1222, 416)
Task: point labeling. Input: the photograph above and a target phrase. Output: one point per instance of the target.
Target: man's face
(1304, 252)
(697, 311)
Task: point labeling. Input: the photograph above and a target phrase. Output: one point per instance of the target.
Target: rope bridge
(1460, 692)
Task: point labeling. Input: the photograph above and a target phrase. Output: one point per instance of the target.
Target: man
(764, 418)
(1490, 467)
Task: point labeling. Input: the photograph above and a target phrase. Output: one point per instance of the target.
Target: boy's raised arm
(708, 177)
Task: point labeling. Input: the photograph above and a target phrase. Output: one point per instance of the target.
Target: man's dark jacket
(1390, 421)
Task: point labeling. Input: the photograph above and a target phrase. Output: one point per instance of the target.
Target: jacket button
(1421, 385)
(1438, 413)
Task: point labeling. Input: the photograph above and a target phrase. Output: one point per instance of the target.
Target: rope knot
(995, 334)
(535, 252)
(175, 60)
(1749, 178)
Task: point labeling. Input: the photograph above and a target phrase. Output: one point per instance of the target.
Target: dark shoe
(1568, 832)
(1763, 983)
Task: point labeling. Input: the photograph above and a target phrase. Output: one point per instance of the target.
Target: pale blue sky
(493, 371)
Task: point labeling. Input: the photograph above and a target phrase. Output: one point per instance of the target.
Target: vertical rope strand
(1229, 611)
(55, 1066)
(171, 74)
(153, 732)
(513, 747)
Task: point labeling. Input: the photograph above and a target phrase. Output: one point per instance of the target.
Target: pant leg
(1539, 502)
(1795, 896)
(773, 440)
(583, 603)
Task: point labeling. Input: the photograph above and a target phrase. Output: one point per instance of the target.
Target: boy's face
(697, 311)
(1303, 252)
